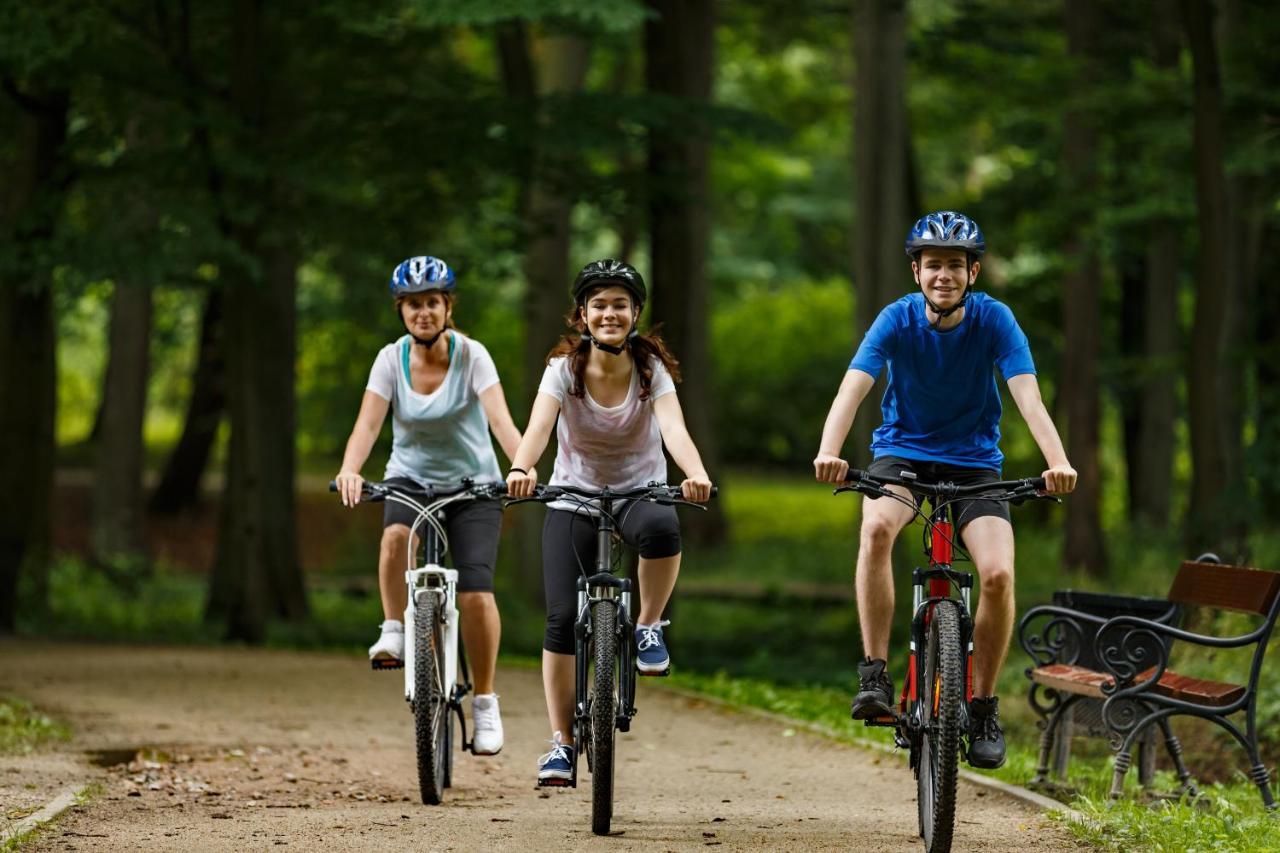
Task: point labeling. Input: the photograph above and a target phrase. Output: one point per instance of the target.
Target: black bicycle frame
(604, 585)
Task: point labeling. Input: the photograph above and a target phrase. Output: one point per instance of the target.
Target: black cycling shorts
(569, 550)
(473, 527)
(963, 510)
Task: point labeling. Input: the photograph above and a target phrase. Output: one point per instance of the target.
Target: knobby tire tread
(430, 710)
(939, 764)
(604, 636)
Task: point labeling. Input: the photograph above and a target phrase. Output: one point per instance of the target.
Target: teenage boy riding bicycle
(941, 414)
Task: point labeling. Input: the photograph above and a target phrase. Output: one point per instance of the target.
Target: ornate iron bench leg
(1049, 735)
(1174, 746)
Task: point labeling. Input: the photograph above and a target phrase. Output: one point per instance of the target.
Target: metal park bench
(1129, 671)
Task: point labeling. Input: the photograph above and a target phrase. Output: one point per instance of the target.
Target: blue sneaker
(556, 767)
(651, 651)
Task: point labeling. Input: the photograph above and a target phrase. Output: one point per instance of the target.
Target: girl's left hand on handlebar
(696, 489)
(521, 485)
(1060, 479)
(349, 486)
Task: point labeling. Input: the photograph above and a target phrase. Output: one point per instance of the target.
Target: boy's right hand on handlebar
(830, 469)
(521, 485)
(349, 486)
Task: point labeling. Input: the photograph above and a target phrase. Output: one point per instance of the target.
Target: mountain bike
(933, 709)
(436, 678)
(604, 640)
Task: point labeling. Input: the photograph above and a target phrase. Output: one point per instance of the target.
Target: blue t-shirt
(942, 404)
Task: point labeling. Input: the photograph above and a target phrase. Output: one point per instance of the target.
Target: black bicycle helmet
(607, 271)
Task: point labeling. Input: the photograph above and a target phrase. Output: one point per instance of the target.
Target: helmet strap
(610, 348)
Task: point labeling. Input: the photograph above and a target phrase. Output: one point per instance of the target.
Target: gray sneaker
(875, 691)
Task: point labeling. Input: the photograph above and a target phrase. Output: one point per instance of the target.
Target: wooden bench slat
(1230, 587)
(1088, 682)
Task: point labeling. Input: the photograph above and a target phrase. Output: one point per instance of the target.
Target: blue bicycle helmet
(420, 274)
(946, 229)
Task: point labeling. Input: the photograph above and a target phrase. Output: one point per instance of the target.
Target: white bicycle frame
(431, 580)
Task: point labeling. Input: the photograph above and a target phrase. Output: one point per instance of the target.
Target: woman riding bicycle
(445, 397)
(613, 390)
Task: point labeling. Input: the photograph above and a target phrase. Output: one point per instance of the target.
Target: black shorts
(962, 511)
(569, 549)
(473, 527)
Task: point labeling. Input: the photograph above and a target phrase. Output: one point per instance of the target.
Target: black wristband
(515, 470)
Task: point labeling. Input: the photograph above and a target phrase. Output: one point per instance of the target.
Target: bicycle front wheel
(430, 704)
(941, 701)
(604, 711)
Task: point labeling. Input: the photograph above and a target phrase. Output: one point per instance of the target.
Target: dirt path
(254, 750)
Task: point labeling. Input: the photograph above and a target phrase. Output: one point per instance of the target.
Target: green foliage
(23, 728)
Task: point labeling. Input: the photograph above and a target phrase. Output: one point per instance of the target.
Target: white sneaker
(487, 738)
(390, 645)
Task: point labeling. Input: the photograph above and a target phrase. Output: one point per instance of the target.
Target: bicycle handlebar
(376, 492)
(1014, 491)
(658, 493)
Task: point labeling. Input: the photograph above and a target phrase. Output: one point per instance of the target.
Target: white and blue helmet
(420, 274)
(946, 229)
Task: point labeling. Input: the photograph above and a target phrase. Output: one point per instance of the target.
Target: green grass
(23, 728)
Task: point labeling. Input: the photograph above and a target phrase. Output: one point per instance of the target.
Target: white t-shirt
(618, 446)
(441, 437)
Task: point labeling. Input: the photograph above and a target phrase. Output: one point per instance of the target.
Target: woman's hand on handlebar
(1059, 479)
(830, 469)
(697, 489)
(350, 485)
(521, 485)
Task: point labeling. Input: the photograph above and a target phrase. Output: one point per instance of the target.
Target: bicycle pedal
(555, 783)
(386, 663)
(882, 720)
(662, 674)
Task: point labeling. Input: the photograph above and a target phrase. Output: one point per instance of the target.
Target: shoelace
(558, 751)
(985, 727)
(651, 635)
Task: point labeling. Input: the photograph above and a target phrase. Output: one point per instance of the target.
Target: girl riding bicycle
(613, 391)
(445, 397)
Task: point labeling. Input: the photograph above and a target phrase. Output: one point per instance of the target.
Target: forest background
(202, 204)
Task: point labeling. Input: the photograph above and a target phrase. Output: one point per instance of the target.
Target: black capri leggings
(473, 528)
(569, 547)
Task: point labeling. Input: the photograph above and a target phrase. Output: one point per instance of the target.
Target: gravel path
(233, 749)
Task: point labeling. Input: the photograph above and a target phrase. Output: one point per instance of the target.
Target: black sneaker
(986, 738)
(875, 691)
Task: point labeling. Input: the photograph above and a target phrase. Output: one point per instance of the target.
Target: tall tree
(1214, 514)
(256, 574)
(679, 61)
(881, 175)
(1083, 541)
(117, 535)
(31, 201)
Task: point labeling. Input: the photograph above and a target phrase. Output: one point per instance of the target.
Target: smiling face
(609, 314)
(425, 314)
(943, 275)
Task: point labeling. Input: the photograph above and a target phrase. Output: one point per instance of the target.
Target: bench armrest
(1124, 658)
(1063, 629)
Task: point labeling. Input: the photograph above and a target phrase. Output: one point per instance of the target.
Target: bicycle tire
(941, 700)
(430, 705)
(604, 710)
(448, 747)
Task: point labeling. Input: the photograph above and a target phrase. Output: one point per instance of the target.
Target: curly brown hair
(645, 349)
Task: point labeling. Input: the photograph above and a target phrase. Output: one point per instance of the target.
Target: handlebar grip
(333, 485)
(715, 490)
(854, 475)
(1038, 483)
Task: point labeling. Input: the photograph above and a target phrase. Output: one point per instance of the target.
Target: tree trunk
(179, 486)
(1215, 512)
(882, 182)
(1151, 461)
(1265, 453)
(117, 535)
(560, 68)
(1133, 287)
(256, 574)
(1083, 543)
(31, 199)
(679, 51)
